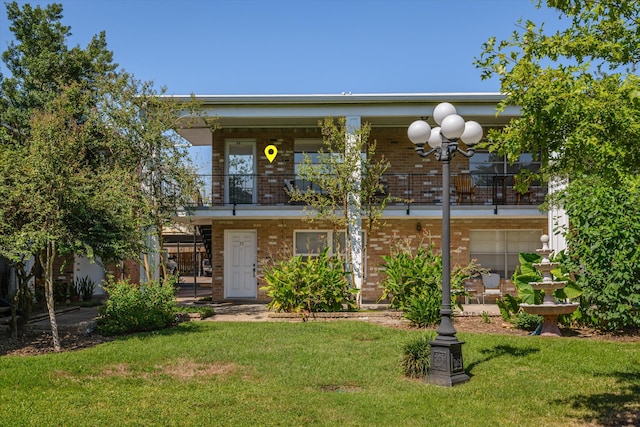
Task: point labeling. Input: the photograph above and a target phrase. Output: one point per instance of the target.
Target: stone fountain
(549, 309)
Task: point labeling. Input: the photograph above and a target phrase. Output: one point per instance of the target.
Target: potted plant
(86, 288)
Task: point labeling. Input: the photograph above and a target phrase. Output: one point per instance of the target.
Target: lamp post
(446, 366)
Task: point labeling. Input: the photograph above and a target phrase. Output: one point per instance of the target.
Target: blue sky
(211, 47)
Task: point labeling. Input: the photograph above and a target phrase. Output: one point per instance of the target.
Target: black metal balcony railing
(414, 189)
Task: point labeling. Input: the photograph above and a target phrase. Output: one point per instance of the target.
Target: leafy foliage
(347, 174)
(604, 250)
(526, 321)
(416, 356)
(317, 284)
(576, 89)
(85, 287)
(87, 159)
(347, 184)
(137, 308)
(578, 94)
(413, 282)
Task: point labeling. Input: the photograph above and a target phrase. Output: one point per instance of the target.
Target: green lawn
(317, 373)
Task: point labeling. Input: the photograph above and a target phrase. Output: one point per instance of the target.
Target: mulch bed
(33, 342)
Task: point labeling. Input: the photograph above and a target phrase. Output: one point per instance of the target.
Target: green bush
(409, 275)
(604, 250)
(416, 357)
(526, 321)
(137, 308)
(318, 284)
(423, 308)
(413, 282)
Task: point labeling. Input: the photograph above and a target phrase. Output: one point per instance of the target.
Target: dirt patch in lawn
(188, 369)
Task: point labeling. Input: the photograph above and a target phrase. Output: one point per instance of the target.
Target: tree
(148, 142)
(87, 157)
(69, 197)
(579, 99)
(345, 185)
(576, 89)
(41, 63)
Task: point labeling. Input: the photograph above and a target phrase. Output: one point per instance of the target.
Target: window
(309, 147)
(311, 243)
(484, 165)
(240, 167)
(499, 249)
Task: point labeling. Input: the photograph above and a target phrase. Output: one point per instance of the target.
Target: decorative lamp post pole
(446, 367)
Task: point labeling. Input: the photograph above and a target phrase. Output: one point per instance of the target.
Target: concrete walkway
(80, 319)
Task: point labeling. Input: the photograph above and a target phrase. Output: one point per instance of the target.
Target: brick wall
(392, 143)
(275, 237)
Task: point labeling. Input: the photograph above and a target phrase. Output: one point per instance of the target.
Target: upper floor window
(308, 147)
(485, 165)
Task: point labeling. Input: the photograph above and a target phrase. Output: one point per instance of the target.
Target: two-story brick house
(244, 214)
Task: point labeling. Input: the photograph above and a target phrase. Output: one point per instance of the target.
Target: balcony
(404, 189)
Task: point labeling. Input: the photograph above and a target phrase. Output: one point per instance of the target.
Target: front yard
(319, 373)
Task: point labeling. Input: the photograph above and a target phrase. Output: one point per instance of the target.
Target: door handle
(254, 270)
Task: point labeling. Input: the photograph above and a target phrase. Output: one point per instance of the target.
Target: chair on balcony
(465, 186)
(491, 285)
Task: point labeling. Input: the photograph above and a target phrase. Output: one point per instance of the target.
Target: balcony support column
(354, 232)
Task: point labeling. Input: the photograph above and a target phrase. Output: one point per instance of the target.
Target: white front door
(240, 264)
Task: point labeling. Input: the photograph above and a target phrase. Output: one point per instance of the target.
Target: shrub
(413, 282)
(485, 317)
(415, 359)
(526, 321)
(604, 250)
(317, 284)
(423, 308)
(137, 308)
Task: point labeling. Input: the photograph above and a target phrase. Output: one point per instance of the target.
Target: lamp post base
(446, 367)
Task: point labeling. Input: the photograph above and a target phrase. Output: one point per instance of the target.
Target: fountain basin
(550, 313)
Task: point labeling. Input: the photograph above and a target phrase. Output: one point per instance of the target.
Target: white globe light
(452, 126)
(472, 133)
(419, 132)
(435, 140)
(443, 110)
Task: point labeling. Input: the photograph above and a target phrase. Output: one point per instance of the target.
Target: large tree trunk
(46, 259)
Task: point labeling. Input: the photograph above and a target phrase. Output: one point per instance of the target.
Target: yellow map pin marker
(271, 152)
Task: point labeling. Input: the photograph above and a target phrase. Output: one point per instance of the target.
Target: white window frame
(331, 240)
(227, 173)
(506, 269)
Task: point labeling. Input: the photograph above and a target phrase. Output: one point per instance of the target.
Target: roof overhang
(379, 110)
